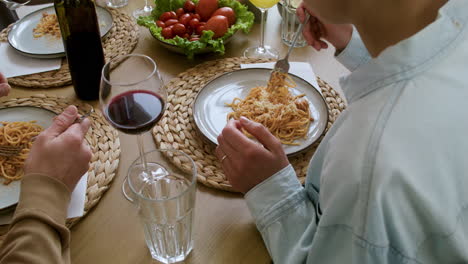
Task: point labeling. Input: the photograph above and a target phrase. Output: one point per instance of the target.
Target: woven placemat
(177, 128)
(102, 139)
(121, 40)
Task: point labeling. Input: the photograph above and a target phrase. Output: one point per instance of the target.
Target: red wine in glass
(135, 111)
(132, 103)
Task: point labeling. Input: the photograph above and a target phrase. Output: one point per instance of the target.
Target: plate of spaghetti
(288, 106)
(17, 127)
(38, 33)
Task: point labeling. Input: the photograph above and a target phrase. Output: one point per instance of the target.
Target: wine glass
(144, 11)
(262, 51)
(13, 5)
(132, 103)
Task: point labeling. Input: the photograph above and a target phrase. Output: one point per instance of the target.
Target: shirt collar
(410, 56)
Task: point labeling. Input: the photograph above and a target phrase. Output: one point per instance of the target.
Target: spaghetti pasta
(16, 134)
(47, 26)
(286, 116)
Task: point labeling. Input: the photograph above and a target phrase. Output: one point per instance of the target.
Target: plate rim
(294, 153)
(10, 207)
(50, 55)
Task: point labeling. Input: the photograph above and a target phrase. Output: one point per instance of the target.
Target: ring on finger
(223, 158)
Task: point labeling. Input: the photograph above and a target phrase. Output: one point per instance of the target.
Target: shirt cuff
(272, 191)
(43, 195)
(355, 54)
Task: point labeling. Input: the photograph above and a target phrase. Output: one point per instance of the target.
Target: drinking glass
(116, 3)
(144, 11)
(132, 103)
(262, 51)
(290, 23)
(13, 5)
(165, 198)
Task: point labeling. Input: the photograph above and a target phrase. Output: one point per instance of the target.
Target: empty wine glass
(132, 103)
(262, 51)
(144, 11)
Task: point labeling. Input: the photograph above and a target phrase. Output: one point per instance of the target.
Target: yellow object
(265, 4)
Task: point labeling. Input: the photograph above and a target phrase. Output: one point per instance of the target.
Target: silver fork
(9, 151)
(283, 64)
(81, 118)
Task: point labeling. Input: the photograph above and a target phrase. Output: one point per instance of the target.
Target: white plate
(21, 35)
(9, 194)
(210, 110)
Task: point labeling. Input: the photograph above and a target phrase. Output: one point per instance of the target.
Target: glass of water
(117, 3)
(289, 23)
(165, 198)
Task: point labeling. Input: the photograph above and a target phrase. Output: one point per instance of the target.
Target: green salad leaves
(244, 21)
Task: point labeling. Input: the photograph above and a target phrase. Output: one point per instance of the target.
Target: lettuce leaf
(244, 22)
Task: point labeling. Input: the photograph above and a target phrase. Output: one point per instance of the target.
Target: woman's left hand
(247, 163)
(4, 86)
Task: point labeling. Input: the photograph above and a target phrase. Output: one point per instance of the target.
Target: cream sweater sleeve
(38, 233)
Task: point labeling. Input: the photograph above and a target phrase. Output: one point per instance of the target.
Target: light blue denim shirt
(389, 182)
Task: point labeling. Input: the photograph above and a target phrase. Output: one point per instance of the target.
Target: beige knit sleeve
(38, 233)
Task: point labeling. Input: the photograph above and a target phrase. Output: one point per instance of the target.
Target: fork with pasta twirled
(283, 64)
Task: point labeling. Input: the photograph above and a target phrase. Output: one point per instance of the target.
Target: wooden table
(224, 231)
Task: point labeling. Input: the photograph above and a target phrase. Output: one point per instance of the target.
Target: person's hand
(245, 162)
(316, 30)
(4, 86)
(60, 151)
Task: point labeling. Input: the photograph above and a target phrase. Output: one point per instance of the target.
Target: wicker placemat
(101, 137)
(121, 40)
(177, 128)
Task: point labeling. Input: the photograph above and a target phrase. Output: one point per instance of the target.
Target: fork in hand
(9, 151)
(283, 64)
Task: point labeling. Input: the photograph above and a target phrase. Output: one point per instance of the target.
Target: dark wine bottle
(82, 41)
(7, 16)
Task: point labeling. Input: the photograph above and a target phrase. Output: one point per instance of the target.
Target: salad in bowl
(197, 26)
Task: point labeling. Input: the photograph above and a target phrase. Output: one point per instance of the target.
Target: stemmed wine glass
(144, 11)
(262, 51)
(132, 103)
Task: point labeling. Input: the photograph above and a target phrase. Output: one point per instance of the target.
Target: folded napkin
(301, 69)
(75, 208)
(15, 64)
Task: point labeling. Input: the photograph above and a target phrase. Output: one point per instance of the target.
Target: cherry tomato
(205, 8)
(186, 36)
(189, 30)
(194, 23)
(179, 12)
(228, 13)
(199, 29)
(189, 6)
(194, 39)
(185, 19)
(171, 22)
(167, 33)
(179, 30)
(218, 24)
(161, 24)
(167, 15)
(197, 16)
